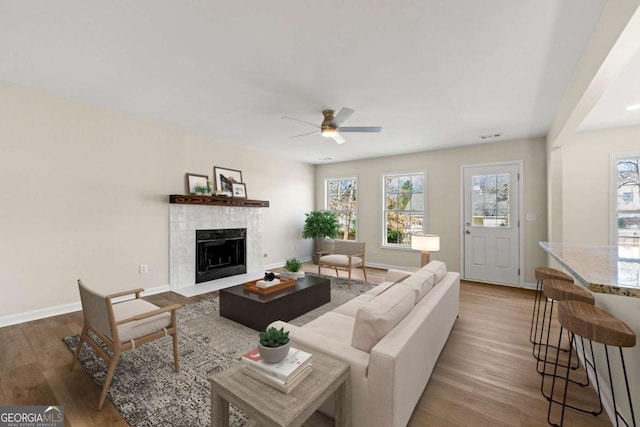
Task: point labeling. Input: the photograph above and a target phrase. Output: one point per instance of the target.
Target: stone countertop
(604, 269)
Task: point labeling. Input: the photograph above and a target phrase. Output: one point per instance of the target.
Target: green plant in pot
(320, 225)
(274, 345)
(293, 268)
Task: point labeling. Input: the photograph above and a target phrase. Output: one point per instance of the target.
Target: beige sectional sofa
(391, 336)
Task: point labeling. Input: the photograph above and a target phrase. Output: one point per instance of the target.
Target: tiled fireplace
(185, 219)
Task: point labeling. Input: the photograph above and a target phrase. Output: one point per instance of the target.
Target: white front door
(491, 223)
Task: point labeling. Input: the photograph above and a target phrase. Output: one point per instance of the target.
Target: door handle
(467, 232)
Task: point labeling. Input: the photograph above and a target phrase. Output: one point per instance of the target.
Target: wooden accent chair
(122, 326)
(342, 255)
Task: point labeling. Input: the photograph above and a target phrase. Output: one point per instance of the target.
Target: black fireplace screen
(220, 253)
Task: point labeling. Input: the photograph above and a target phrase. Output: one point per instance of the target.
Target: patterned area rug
(148, 392)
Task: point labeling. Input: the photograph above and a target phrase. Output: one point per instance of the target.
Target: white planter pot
(291, 275)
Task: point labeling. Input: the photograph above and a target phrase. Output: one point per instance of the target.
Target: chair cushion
(340, 260)
(375, 319)
(421, 282)
(139, 328)
(438, 268)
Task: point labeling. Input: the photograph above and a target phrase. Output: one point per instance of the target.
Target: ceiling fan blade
(342, 116)
(369, 129)
(339, 139)
(304, 134)
(301, 121)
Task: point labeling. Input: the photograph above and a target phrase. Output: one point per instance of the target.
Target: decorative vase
(274, 354)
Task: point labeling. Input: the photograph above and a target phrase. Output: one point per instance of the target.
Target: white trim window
(342, 199)
(404, 208)
(627, 201)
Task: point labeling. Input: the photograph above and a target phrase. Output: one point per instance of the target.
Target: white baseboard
(386, 266)
(28, 316)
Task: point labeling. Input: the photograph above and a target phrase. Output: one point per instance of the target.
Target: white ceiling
(432, 73)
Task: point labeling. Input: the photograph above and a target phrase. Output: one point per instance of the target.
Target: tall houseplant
(320, 225)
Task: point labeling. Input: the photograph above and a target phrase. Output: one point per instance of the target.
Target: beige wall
(586, 218)
(579, 169)
(443, 197)
(586, 176)
(85, 195)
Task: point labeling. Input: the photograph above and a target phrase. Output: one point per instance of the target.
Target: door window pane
(490, 200)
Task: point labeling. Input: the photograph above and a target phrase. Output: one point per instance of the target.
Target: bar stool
(594, 324)
(542, 273)
(557, 291)
(554, 290)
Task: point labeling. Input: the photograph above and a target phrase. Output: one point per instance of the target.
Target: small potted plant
(293, 269)
(274, 345)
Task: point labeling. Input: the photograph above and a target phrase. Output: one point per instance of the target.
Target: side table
(269, 407)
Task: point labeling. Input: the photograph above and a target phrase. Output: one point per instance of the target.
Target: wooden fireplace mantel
(192, 199)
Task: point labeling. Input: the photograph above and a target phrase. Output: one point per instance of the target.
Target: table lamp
(425, 243)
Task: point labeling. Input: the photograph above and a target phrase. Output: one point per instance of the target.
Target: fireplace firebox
(220, 253)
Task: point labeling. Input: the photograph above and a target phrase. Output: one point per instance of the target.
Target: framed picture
(224, 178)
(239, 190)
(196, 181)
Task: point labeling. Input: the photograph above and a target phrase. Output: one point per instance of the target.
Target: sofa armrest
(357, 359)
(396, 275)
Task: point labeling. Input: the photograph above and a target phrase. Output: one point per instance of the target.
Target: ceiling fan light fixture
(329, 132)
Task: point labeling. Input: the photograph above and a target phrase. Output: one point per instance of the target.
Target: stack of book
(266, 284)
(282, 376)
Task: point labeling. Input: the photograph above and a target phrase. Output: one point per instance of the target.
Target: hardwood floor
(485, 375)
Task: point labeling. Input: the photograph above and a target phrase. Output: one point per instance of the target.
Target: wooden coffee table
(258, 311)
(267, 406)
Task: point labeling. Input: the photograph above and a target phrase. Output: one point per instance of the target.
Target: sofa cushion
(376, 318)
(340, 260)
(338, 327)
(350, 308)
(421, 282)
(438, 268)
(379, 288)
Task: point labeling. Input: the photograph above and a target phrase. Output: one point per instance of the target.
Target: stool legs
(626, 383)
(587, 362)
(563, 403)
(536, 312)
(539, 340)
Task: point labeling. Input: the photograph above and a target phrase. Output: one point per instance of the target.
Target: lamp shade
(425, 242)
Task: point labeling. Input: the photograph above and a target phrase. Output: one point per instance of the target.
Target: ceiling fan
(330, 126)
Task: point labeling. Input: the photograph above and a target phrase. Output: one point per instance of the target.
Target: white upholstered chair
(342, 255)
(122, 326)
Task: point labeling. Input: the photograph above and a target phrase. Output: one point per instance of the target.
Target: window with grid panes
(404, 199)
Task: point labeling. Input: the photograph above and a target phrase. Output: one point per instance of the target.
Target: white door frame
(519, 163)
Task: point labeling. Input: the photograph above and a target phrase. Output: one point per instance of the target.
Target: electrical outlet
(143, 268)
(531, 217)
